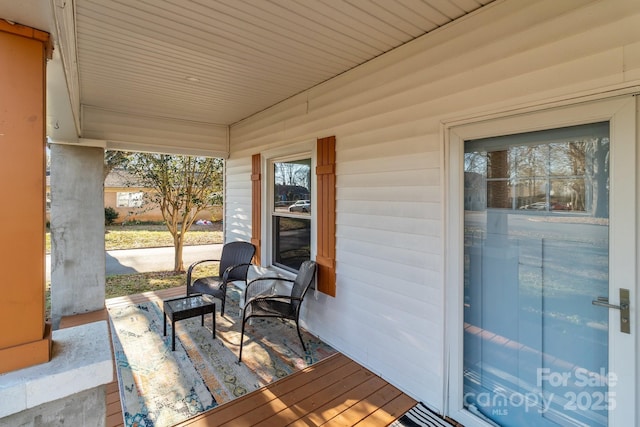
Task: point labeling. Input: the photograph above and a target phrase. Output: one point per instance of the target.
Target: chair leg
(241, 339)
(300, 335)
(222, 308)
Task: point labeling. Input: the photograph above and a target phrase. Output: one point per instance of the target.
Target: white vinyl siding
(132, 132)
(387, 116)
(237, 204)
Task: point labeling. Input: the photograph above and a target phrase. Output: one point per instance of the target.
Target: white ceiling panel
(219, 61)
(214, 62)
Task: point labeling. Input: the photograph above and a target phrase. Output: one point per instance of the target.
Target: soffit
(219, 61)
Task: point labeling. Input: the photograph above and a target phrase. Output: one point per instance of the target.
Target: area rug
(160, 387)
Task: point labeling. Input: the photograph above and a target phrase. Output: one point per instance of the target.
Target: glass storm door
(538, 232)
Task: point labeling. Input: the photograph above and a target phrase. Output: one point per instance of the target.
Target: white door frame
(622, 112)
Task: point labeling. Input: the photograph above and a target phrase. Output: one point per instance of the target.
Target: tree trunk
(178, 243)
(600, 181)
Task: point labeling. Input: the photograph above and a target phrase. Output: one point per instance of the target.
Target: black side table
(184, 308)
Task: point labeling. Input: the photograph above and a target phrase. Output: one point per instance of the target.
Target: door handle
(625, 319)
(604, 302)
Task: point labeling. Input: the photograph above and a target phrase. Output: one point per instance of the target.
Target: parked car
(542, 206)
(537, 206)
(301, 206)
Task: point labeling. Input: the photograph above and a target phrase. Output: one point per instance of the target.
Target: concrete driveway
(128, 261)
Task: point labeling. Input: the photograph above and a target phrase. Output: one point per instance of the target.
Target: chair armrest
(192, 266)
(225, 275)
(272, 297)
(256, 282)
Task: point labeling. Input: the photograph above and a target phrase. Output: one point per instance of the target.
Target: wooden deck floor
(335, 391)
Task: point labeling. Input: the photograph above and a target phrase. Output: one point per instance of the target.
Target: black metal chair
(277, 305)
(234, 266)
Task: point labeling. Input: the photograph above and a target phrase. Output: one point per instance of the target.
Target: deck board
(265, 400)
(336, 405)
(336, 391)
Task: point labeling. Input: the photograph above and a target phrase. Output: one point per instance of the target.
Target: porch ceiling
(217, 61)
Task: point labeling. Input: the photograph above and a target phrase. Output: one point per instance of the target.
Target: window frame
(299, 151)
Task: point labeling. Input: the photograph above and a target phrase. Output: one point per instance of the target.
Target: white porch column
(77, 231)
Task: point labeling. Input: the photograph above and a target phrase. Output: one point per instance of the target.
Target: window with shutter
(301, 208)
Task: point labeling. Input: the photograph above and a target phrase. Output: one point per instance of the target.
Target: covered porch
(231, 66)
(334, 391)
(379, 103)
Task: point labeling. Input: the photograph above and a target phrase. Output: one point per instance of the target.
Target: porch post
(25, 339)
(77, 231)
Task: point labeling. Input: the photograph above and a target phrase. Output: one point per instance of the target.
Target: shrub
(110, 215)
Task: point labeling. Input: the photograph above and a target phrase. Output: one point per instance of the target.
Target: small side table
(184, 308)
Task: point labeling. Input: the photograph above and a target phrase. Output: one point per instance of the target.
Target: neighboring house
(128, 199)
(525, 112)
(122, 194)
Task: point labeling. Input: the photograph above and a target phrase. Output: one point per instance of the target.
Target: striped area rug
(420, 416)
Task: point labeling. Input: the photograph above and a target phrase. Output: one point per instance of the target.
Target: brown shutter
(256, 205)
(326, 215)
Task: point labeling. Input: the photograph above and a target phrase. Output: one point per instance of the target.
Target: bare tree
(113, 160)
(183, 186)
(292, 173)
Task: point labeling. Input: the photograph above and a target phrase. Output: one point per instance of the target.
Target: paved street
(128, 261)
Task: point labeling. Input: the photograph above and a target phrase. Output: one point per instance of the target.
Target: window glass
(129, 199)
(291, 213)
(292, 186)
(536, 254)
(291, 241)
(539, 171)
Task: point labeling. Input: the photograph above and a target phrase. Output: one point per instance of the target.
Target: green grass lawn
(129, 284)
(153, 236)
